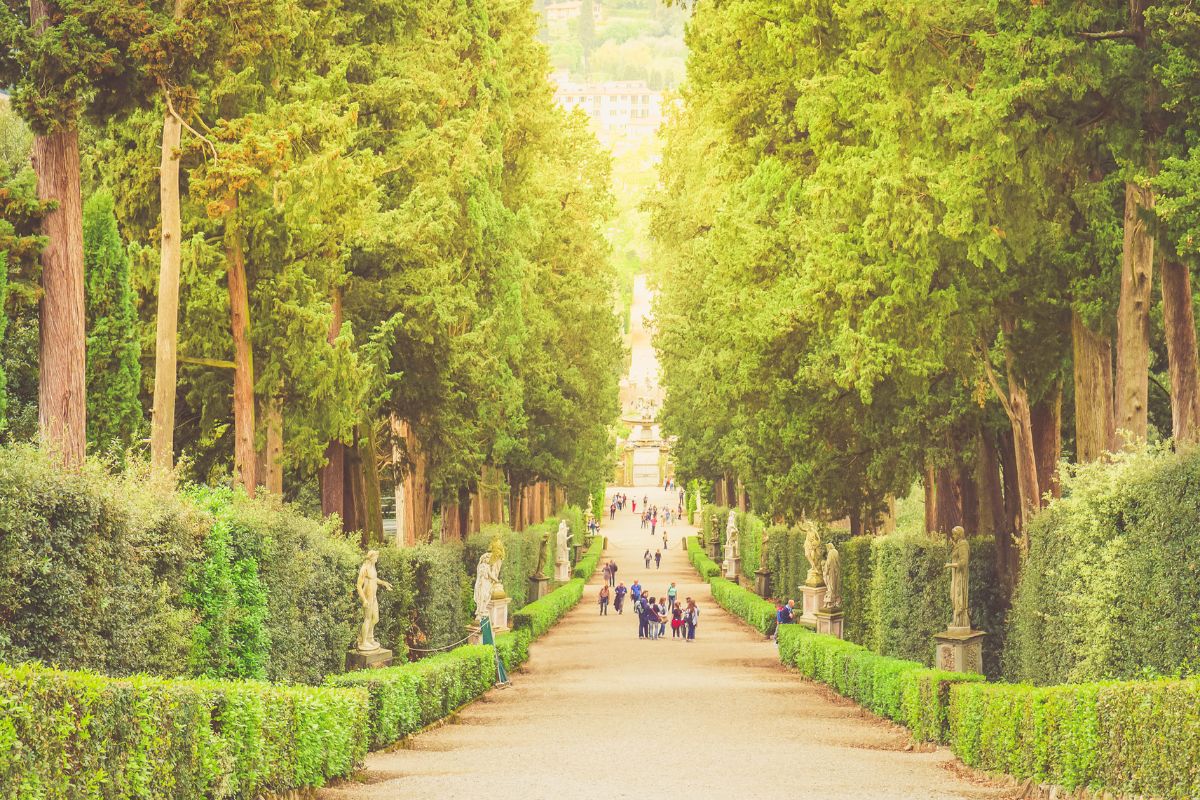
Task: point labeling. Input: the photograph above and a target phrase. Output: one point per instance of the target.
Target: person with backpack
(635, 591)
(692, 618)
(646, 557)
(639, 606)
(619, 598)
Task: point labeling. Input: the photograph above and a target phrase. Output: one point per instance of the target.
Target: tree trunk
(1007, 555)
(1133, 317)
(372, 497)
(243, 358)
(968, 494)
(991, 497)
(947, 501)
(1026, 455)
(399, 472)
(166, 335)
(62, 390)
(271, 463)
(1046, 416)
(931, 519)
(515, 493)
(464, 511)
(1179, 322)
(332, 476)
(1093, 371)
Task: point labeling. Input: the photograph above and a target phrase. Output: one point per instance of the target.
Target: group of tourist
(656, 558)
(653, 613)
(618, 504)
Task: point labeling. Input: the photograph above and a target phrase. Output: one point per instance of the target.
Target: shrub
(406, 698)
(704, 565)
(856, 588)
(903, 691)
(1133, 737)
(1113, 572)
(750, 533)
(520, 560)
(426, 607)
(785, 559)
(540, 615)
(76, 734)
(513, 648)
(590, 560)
(759, 613)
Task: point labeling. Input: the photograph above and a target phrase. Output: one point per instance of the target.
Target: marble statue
(762, 550)
(832, 573)
(732, 544)
(368, 586)
(540, 572)
(812, 551)
(959, 566)
(498, 555)
(561, 556)
(483, 585)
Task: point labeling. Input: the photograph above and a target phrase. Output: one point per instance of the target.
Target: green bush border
(540, 615)
(759, 613)
(590, 560)
(707, 568)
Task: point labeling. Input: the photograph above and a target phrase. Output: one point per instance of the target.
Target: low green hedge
(704, 565)
(540, 615)
(406, 698)
(513, 648)
(903, 691)
(590, 560)
(1133, 737)
(759, 613)
(77, 734)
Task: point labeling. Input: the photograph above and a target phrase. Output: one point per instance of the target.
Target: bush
(75, 734)
(903, 691)
(1133, 737)
(704, 565)
(759, 613)
(785, 559)
(520, 560)
(750, 533)
(406, 698)
(513, 648)
(588, 563)
(856, 588)
(426, 607)
(1111, 581)
(540, 615)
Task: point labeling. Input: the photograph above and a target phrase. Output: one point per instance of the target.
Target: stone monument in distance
(539, 581)
(829, 616)
(367, 653)
(959, 647)
(733, 550)
(762, 575)
(813, 590)
(562, 559)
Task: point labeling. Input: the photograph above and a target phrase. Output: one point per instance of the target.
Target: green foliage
(114, 372)
(1110, 570)
(427, 607)
(707, 568)
(589, 560)
(1136, 737)
(405, 699)
(513, 648)
(743, 603)
(74, 734)
(521, 550)
(540, 615)
(750, 533)
(786, 560)
(903, 691)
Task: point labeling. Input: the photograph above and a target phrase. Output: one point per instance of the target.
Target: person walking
(643, 622)
(612, 510)
(619, 598)
(671, 593)
(664, 540)
(692, 617)
(658, 559)
(634, 509)
(651, 618)
(604, 595)
(612, 573)
(607, 570)
(646, 556)
(653, 524)
(635, 591)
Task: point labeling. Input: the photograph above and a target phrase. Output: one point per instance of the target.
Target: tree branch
(183, 122)
(1098, 36)
(995, 382)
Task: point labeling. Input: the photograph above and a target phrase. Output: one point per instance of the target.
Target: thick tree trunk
(947, 501)
(271, 464)
(62, 391)
(166, 335)
(991, 496)
(243, 358)
(1007, 555)
(372, 496)
(1026, 455)
(1179, 322)
(1093, 371)
(464, 511)
(515, 493)
(1046, 416)
(931, 517)
(399, 471)
(968, 493)
(332, 476)
(1133, 317)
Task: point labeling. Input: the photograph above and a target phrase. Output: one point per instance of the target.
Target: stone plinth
(762, 582)
(499, 614)
(370, 659)
(539, 587)
(562, 571)
(814, 600)
(829, 622)
(474, 634)
(733, 568)
(959, 650)
(714, 549)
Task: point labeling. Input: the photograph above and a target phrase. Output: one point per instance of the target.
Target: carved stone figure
(959, 566)
(540, 572)
(367, 586)
(812, 551)
(832, 573)
(498, 554)
(564, 529)
(483, 585)
(732, 544)
(762, 550)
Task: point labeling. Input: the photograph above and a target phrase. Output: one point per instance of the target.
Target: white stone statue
(959, 566)
(561, 556)
(483, 585)
(732, 544)
(812, 551)
(832, 573)
(368, 592)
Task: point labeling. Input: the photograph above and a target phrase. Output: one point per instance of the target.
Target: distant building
(562, 13)
(614, 106)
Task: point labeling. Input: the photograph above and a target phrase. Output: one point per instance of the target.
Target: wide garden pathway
(596, 713)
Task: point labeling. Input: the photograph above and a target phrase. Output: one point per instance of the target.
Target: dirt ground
(598, 713)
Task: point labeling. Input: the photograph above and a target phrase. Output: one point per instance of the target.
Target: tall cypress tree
(114, 374)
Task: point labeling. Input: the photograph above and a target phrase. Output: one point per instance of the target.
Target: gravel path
(598, 713)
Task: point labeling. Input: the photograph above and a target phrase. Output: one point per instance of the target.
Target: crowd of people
(654, 613)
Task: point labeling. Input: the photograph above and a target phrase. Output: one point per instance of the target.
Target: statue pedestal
(829, 622)
(733, 568)
(562, 571)
(762, 582)
(539, 587)
(814, 600)
(474, 634)
(370, 659)
(714, 549)
(499, 614)
(959, 650)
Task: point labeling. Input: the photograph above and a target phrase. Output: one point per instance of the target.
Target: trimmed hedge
(590, 560)
(406, 698)
(707, 568)
(75, 734)
(540, 615)
(513, 648)
(759, 613)
(1135, 737)
(426, 607)
(903, 691)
